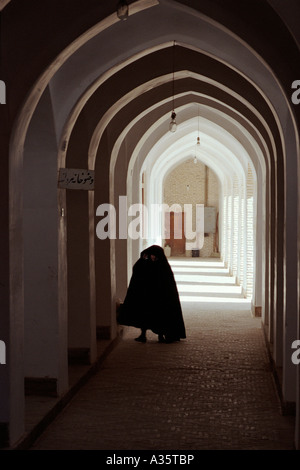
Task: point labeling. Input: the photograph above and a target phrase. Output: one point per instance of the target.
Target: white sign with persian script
(70, 178)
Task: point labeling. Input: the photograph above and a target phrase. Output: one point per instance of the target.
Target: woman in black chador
(152, 300)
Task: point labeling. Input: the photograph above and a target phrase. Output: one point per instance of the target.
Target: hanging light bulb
(198, 138)
(197, 148)
(122, 10)
(173, 124)
(198, 141)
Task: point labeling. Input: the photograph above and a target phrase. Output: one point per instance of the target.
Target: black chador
(152, 300)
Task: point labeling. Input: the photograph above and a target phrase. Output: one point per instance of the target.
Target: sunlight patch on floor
(207, 282)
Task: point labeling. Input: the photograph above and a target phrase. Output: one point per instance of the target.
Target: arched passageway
(238, 182)
(99, 101)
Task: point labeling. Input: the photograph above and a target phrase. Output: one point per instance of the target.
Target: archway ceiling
(81, 58)
(99, 58)
(118, 101)
(152, 29)
(126, 55)
(57, 31)
(218, 149)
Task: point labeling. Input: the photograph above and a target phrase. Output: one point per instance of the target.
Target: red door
(174, 233)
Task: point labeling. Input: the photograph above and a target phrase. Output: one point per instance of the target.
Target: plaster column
(11, 300)
(290, 286)
(279, 264)
(104, 249)
(297, 434)
(271, 257)
(45, 354)
(119, 178)
(260, 245)
(81, 291)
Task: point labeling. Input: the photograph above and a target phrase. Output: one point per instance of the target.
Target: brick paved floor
(213, 390)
